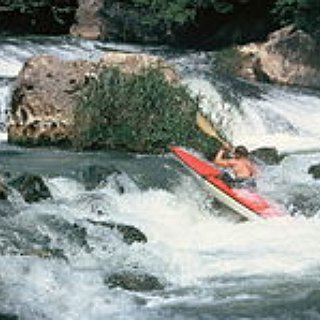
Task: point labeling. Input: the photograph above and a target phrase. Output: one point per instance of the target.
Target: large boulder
(47, 91)
(289, 57)
(44, 97)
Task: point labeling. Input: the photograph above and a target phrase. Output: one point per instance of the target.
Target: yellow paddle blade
(207, 127)
(204, 124)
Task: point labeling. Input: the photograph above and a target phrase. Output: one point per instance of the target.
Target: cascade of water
(254, 114)
(5, 96)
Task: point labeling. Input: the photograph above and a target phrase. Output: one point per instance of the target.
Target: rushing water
(54, 260)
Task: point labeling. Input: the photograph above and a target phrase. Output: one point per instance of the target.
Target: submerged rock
(31, 187)
(304, 200)
(134, 282)
(3, 191)
(269, 156)
(314, 170)
(7, 316)
(93, 175)
(130, 234)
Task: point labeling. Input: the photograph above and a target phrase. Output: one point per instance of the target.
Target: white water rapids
(211, 267)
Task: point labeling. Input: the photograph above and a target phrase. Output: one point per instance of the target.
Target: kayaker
(244, 171)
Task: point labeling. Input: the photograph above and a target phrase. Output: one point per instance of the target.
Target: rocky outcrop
(43, 99)
(89, 24)
(289, 57)
(47, 91)
(130, 234)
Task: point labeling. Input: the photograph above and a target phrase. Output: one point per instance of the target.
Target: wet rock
(314, 170)
(7, 316)
(93, 175)
(289, 56)
(4, 192)
(269, 156)
(63, 231)
(304, 200)
(49, 253)
(25, 241)
(31, 187)
(130, 234)
(134, 282)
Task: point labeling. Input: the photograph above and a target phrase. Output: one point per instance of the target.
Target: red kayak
(245, 202)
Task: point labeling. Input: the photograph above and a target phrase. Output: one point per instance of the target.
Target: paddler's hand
(227, 146)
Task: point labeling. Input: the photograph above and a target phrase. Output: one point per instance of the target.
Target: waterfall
(257, 115)
(5, 97)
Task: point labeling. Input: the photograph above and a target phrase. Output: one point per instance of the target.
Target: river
(211, 266)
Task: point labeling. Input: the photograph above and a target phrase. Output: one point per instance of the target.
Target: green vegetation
(159, 19)
(304, 14)
(58, 10)
(140, 113)
(28, 6)
(230, 60)
(165, 19)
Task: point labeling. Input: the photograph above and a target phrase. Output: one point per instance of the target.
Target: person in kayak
(244, 171)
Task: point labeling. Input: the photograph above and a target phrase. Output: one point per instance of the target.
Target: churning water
(56, 255)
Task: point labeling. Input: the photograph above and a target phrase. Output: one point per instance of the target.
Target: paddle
(206, 126)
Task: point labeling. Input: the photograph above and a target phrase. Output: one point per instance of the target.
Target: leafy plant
(305, 14)
(142, 113)
(58, 9)
(159, 19)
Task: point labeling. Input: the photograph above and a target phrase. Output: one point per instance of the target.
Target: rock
(304, 200)
(132, 63)
(47, 92)
(4, 192)
(71, 232)
(314, 170)
(289, 57)
(93, 175)
(31, 187)
(134, 282)
(89, 24)
(130, 234)
(44, 97)
(7, 316)
(269, 156)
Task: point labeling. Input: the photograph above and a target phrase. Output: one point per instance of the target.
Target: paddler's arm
(220, 159)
